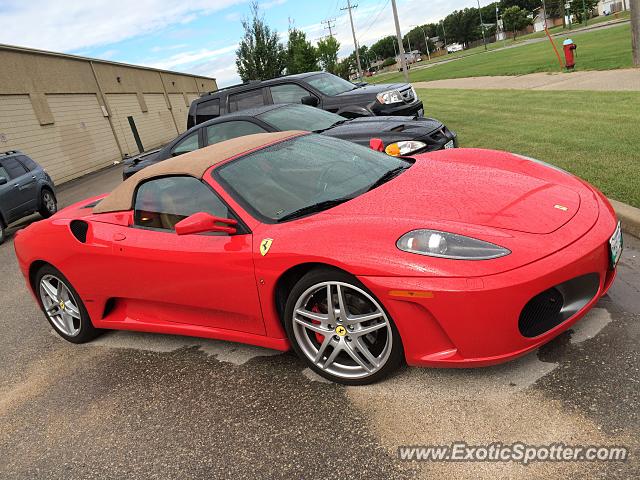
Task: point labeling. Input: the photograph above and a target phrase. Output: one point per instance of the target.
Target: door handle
(118, 237)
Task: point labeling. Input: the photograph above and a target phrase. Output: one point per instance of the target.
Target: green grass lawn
(597, 50)
(594, 135)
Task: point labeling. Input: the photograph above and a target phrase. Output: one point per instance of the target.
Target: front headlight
(404, 148)
(390, 96)
(449, 245)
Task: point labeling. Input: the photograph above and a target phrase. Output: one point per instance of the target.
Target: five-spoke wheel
(63, 307)
(340, 329)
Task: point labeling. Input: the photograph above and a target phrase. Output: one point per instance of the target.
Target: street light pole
(444, 34)
(484, 38)
(426, 42)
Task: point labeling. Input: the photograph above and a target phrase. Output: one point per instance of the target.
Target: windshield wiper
(394, 172)
(316, 207)
(335, 124)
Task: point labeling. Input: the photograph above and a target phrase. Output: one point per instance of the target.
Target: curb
(629, 217)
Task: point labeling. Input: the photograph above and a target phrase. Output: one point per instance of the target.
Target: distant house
(607, 7)
(410, 57)
(539, 24)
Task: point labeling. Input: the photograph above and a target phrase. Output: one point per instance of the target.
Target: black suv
(25, 188)
(318, 89)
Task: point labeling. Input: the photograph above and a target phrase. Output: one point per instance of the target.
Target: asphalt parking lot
(132, 405)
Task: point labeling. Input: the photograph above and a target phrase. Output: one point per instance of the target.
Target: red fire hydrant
(569, 59)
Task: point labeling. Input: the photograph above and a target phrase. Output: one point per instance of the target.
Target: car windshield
(300, 174)
(300, 117)
(330, 84)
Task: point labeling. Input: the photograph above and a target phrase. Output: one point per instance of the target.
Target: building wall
(71, 114)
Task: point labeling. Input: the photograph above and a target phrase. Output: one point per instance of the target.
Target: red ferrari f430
(357, 260)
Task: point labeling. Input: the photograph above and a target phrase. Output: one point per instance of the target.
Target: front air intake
(557, 304)
(79, 228)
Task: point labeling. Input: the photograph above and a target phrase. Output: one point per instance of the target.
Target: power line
(375, 19)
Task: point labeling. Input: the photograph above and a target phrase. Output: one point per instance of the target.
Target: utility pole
(353, 31)
(329, 26)
(635, 31)
(484, 38)
(426, 42)
(544, 13)
(403, 61)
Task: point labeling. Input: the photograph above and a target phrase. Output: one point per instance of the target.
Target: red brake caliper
(319, 337)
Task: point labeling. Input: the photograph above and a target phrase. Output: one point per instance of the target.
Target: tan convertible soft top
(194, 164)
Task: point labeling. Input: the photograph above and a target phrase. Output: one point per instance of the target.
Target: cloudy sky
(195, 36)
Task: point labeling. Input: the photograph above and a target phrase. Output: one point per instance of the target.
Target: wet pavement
(131, 405)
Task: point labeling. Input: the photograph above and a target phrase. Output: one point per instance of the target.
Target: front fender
(353, 111)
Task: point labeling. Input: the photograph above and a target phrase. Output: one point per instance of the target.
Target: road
(151, 406)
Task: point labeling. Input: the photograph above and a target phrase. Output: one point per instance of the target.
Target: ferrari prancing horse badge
(265, 245)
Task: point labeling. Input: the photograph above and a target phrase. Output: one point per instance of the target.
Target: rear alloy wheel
(62, 306)
(48, 203)
(341, 330)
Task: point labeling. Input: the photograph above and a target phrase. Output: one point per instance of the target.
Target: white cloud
(67, 25)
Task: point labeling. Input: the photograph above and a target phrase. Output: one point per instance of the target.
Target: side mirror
(3, 180)
(376, 144)
(309, 100)
(203, 222)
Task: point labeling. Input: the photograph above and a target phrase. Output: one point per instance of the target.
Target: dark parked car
(25, 188)
(400, 135)
(317, 89)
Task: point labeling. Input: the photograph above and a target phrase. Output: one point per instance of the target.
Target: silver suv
(25, 188)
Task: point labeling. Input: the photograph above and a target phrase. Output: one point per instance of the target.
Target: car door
(219, 132)
(20, 190)
(204, 279)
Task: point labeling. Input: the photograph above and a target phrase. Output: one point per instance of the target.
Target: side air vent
(79, 229)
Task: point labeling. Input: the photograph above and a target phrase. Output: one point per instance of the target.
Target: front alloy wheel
(62, 306)
(341, 330)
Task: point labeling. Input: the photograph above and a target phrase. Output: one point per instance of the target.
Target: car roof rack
(250, 82)
(9, 152)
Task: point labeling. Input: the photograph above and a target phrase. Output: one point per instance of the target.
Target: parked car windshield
(300, 117)
(330, 84)
(303, 173)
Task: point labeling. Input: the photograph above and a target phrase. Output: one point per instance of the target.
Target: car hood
(489, 195)
(389, 129)
(477, 187)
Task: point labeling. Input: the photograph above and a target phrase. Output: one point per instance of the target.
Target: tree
(578, 9)
(328, 54)
(346, 66)
(384, 48)
(260, 55)
(301, 55)
(515, 19)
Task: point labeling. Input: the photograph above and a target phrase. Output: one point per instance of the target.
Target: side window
(227, 130)
(288, 93)
(208, 110)
(13, 167)
(4, 173)
(244, 100)
(27, 162)
(186, 145)
(163, 202)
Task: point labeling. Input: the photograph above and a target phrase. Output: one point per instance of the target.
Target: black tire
(318, 276)
(46, 207)
(87, 331)
(3, 231)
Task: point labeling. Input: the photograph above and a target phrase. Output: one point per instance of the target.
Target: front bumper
(464, 322)
(406, 109)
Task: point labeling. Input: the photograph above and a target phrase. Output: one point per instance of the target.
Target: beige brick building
(75, 115)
